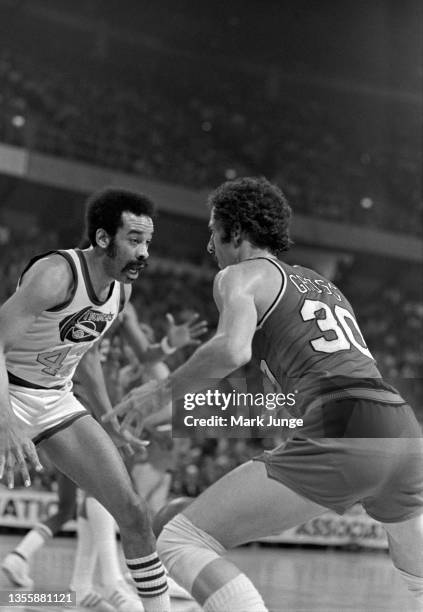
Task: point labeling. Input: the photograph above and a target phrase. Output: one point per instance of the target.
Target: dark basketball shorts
(382, 471)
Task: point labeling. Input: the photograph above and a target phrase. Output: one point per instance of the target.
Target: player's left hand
(140, 401)
(186, 334)
(127, 440)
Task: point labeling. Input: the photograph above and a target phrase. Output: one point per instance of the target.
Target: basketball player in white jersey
(96, 527)
(64, 303)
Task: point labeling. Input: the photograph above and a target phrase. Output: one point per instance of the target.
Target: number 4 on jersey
(338, 322)
(53, 360)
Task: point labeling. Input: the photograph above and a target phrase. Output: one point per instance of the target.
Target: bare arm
(45, 285)
(230, 347)
(178, 336)
(136, 338)
(90, 374)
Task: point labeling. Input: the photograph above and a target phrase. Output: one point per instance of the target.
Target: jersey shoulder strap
(277, 264)
(66, 255)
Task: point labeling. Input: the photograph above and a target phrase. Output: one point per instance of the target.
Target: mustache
(138, 263)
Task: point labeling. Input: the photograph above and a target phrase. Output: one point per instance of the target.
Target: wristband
(165, 346)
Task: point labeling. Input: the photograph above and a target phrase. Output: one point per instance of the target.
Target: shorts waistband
(377, 395)
(20, 382)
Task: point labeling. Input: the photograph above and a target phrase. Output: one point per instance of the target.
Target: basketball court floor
(290, 579)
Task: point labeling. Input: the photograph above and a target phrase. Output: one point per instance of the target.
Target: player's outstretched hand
(16, 450)
(141, 400)
(126, 440)
(186, 334)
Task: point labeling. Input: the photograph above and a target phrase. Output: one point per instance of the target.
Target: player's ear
(102, 238)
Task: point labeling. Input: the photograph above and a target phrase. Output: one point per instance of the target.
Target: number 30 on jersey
(340, 322)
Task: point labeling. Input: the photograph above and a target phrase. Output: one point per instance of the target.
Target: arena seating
(199, 135)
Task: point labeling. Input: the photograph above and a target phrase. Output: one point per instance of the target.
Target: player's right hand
(141, 400)
(126, 440)
(16, 451)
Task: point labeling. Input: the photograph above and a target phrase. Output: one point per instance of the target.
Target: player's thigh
(245, 504)
(86, 454)
(406, 544)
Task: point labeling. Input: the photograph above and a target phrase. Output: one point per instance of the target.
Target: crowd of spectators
(165, 120)
(390, 315)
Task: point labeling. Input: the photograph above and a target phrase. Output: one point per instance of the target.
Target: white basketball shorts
(44, 411)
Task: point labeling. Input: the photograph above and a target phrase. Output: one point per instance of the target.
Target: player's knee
(185, 549)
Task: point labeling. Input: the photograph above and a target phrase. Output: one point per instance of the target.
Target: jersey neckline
(271, 257)
(88, 284)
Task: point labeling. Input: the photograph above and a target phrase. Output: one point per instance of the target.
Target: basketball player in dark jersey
(359, 443)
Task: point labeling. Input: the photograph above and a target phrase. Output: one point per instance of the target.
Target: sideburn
(111, 248)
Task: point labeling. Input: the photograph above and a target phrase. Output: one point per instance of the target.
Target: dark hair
(258, 207)
(104, 210)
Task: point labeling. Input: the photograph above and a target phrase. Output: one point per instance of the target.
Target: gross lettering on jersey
(84, 326)
(304, 284)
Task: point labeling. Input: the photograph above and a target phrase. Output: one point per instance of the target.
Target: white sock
(85, 559)
(34, 539)
(237, 595)
(103, 532)
(150, 578)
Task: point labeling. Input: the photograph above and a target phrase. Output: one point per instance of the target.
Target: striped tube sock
(150, 577)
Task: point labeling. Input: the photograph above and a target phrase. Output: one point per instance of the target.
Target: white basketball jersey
(52, 347)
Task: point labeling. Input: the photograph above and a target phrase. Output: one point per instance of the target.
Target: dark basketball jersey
(309, 343)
